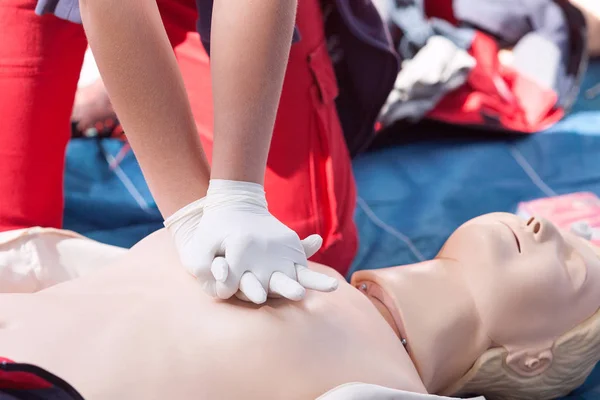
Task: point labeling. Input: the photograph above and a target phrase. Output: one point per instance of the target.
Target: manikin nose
(540, 228)
(534, 225)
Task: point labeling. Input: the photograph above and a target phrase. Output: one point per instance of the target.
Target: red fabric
(40, 60)
(440, 9)
(21, 380)
(498, 95)
(309, 180)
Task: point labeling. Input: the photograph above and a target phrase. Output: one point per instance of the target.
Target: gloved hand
(229, 241)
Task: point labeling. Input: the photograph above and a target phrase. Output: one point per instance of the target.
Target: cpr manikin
(141, 328)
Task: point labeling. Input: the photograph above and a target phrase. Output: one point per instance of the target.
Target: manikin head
(535, 292)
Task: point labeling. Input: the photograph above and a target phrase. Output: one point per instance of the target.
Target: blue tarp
(112, 206)
(411, 197)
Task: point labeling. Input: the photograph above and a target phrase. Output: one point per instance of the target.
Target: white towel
(36, 258)
(363, 391)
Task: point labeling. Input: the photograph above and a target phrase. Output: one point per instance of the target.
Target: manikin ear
(528, 363)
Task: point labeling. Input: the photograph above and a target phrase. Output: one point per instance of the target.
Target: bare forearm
(146, 89)
(250, 45)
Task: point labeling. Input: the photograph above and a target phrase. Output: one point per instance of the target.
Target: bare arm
(146, 89)
(250, 45)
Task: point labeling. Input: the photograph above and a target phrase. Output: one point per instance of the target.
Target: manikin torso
(123, 331)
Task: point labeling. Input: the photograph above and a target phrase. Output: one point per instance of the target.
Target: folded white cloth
(36, 258)
(437, 69)
(363, 391)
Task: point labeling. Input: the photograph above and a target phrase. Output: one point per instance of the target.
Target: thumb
(311, 245)
(220, 269)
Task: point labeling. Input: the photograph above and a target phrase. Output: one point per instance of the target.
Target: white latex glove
(229, 241)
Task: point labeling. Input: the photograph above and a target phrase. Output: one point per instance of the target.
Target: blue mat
(410, 198)
(110, 205)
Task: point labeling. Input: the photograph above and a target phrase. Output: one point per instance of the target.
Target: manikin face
(530, 282)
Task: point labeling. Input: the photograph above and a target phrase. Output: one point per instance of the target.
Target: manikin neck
(434, 312)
